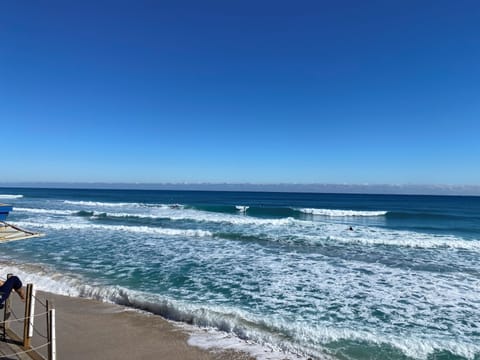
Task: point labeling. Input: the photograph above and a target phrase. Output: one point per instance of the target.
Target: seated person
(6, 287)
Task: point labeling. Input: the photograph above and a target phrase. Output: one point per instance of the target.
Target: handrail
(17, 228)
(29, 328)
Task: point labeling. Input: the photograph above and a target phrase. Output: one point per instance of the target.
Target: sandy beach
(89, 329)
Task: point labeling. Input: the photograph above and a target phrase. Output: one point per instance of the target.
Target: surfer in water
(6, 287)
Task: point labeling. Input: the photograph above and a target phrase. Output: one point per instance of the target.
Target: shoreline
(84, 322)
(93, 329)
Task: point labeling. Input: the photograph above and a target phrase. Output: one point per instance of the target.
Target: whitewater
(279, 275)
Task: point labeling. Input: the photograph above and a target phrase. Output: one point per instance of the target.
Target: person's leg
(20, 293)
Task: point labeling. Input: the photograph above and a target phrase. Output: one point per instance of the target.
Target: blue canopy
(4, 210)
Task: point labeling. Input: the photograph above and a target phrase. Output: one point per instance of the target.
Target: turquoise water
(279, 270)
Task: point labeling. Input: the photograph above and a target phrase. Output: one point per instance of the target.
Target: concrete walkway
(8, 349)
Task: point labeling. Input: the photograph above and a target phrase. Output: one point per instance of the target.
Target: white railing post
(53, 341)
(32, 313)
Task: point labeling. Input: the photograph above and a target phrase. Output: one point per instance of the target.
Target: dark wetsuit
(12, 282)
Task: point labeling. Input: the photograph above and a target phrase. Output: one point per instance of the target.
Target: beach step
(10, 350)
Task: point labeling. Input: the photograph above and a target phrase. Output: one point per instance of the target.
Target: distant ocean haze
(399, 189)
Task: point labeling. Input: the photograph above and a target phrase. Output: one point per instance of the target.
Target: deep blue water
(281, 270)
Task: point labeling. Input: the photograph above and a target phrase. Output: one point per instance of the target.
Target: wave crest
(341, 213)
(10, 196)
(124, 228)
(99, 203)
(44, 211)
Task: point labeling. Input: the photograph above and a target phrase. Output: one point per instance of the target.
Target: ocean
(280, 275)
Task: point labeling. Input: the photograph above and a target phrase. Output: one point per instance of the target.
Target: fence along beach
(28, 327)
(95, 330)
(19, 331)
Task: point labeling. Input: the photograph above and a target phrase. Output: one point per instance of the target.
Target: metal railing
(30, 330)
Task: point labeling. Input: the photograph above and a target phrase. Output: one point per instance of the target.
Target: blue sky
(240, 91)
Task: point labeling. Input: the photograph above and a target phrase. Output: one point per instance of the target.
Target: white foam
(242, 208)
(323, 233)
(364, 235)
(285, 229)
(211, 339)
(164, 211)
(179, 212)
(409, 239)
(341, 213)
(275, 229)
(419, 347)
(202, 216)
(9, 196)
(44, 278)
(101, 204)
(45, 211)
(122, 228)
(356, 288)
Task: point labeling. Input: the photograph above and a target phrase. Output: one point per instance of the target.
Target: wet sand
(89, 329)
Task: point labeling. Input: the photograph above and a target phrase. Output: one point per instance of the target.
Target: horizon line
(387, 189)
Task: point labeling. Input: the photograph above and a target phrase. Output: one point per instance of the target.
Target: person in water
(6, 287)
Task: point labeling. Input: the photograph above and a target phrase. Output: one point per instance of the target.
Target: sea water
(278, 274)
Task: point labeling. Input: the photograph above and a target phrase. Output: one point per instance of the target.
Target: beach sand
(89, 329)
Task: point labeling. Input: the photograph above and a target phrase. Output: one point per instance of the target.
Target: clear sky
(240, 91)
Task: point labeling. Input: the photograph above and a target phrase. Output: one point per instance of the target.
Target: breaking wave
(123, 228)
(9, 196)
(99, 203)
(343, 213)
(45, 211)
